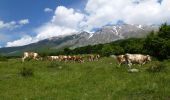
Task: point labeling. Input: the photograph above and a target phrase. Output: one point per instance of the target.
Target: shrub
(26, 72)
(156, 67)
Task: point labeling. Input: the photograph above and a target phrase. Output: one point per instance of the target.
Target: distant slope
(104, 35)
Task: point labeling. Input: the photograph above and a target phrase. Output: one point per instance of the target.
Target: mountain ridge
(105, 34)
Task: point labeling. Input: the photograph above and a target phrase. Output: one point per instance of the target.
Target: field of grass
(99, 80)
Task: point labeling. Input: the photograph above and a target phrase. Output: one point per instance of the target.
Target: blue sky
(27, 21)
(15, 10)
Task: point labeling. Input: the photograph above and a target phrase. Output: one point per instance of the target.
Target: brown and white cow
(121, 59)
(31, 55)
(137, 58)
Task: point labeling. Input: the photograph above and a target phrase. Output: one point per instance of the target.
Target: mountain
(105, 34)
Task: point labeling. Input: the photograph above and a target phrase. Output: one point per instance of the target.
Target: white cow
(137, 58)
(32, 55)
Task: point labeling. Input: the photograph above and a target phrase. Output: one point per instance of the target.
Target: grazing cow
(93, 57)
(69, 57)
(64, 58)
(32, 55)
(137, 58)
(121, 59)
(52, 58)
(79, 59)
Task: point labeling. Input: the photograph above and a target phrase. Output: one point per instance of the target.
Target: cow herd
(66, 58)
(77, 58)
(127, 58)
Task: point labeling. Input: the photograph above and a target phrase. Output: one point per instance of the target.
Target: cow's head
(121, 58)
(148, 58)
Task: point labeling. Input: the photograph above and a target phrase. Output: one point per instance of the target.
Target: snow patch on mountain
(114, 28)
(91, 35)
(140, 26)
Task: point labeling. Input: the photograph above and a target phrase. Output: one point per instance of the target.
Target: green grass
(99, 80)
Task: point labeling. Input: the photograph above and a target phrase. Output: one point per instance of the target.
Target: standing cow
(137, 58)
(32, 55)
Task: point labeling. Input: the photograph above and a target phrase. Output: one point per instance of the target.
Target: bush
(156, 67)
(26, 72)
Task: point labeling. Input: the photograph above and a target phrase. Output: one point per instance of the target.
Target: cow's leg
(129, 63)
(36, 58)
(23, 59)
(143, 63)
(119, 64)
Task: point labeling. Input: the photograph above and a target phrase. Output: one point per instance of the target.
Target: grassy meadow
(98, 80)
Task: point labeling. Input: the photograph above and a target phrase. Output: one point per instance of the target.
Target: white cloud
(64, 22)
(48, 10)
(51, 30)
(98, 13)
(24, 21)
(67, 17)
(9, 25)
(23, 41)
(13, 24)
(102, 12)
